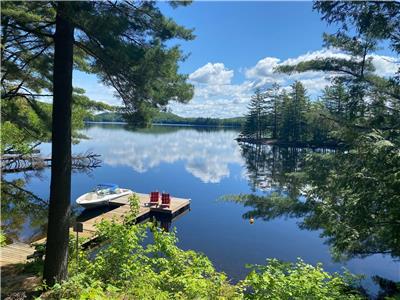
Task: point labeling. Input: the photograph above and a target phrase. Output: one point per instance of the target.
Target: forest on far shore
(169, 118)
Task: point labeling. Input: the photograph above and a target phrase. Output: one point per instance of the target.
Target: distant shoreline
(167, 124)
(170, 119)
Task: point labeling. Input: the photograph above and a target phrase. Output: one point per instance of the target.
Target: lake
(203, 164)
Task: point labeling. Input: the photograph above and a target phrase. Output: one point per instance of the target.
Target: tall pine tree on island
(123, 42)
(273, 107)
(255, 123)
(299, 102)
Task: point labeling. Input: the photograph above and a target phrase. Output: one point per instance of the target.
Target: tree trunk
(55, 267)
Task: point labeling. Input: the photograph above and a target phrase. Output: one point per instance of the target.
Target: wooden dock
(15, 253)
(118, 209)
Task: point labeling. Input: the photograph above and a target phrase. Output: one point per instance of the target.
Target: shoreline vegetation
(168, 118)
(165, 124)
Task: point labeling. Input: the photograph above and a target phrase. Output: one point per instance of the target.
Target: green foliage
(126, 268)
(367, 179)
(380, 20)
(255, 124)
(3, 239)
(352, 195)
(24, 123)
(294, 127)
(134, 205)
(34, 267)
(124, 43)
(106, 117)
(359, 101)
(278, 280)
(349, 196)
(287, 117)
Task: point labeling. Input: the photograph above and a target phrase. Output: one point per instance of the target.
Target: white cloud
(215, 94)
(385, 65)
(213, 74)
(264, 69)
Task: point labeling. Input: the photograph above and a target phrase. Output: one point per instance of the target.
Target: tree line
(287, 116)
(169, 118)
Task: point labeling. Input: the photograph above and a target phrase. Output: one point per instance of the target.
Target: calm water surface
(201, 164)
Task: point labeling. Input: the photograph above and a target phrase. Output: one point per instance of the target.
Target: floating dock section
(117, 210)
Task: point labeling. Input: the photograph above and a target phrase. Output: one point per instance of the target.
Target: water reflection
(206, 153)
(20, 208)
(267, 166)
(23, 211)
(294, 184)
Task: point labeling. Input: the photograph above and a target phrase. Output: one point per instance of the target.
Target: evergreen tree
(294, 107)
(335, 99)
(285, 127)
(255, 123)
(272, 107)
(123, 42)
(299, 107)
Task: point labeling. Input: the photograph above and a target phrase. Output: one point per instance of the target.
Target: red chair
(154, 198)
(165, 200)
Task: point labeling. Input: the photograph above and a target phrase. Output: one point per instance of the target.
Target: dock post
(78, 227)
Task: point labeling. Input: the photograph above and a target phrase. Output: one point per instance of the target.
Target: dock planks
(15, 253)
(18, 252)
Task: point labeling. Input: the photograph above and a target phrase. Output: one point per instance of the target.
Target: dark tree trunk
(55, 267)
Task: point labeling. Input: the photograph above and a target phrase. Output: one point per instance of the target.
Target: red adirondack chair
(154, 198)
(165, 200)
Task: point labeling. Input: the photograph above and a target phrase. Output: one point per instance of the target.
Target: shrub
(279, 280)
(126, 268)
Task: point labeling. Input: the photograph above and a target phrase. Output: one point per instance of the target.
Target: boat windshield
(106, 189)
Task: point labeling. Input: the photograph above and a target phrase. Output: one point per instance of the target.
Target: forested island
(288, 117)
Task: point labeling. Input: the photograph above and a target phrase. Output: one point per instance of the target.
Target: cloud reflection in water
(206, 154)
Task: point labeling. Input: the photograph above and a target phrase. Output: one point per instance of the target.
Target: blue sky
(237, 46)
(241, 33)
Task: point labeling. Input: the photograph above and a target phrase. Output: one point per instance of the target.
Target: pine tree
(285, 126)
(123, 43)
(255, 124)
(300, 107)
(335, 99)
(272, 106)
(295, 105)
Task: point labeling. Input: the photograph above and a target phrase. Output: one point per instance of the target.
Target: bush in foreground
(128, 268)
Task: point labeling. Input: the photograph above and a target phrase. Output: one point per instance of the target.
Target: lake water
(201, 164)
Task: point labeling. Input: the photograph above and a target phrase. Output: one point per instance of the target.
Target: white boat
(101, 195)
